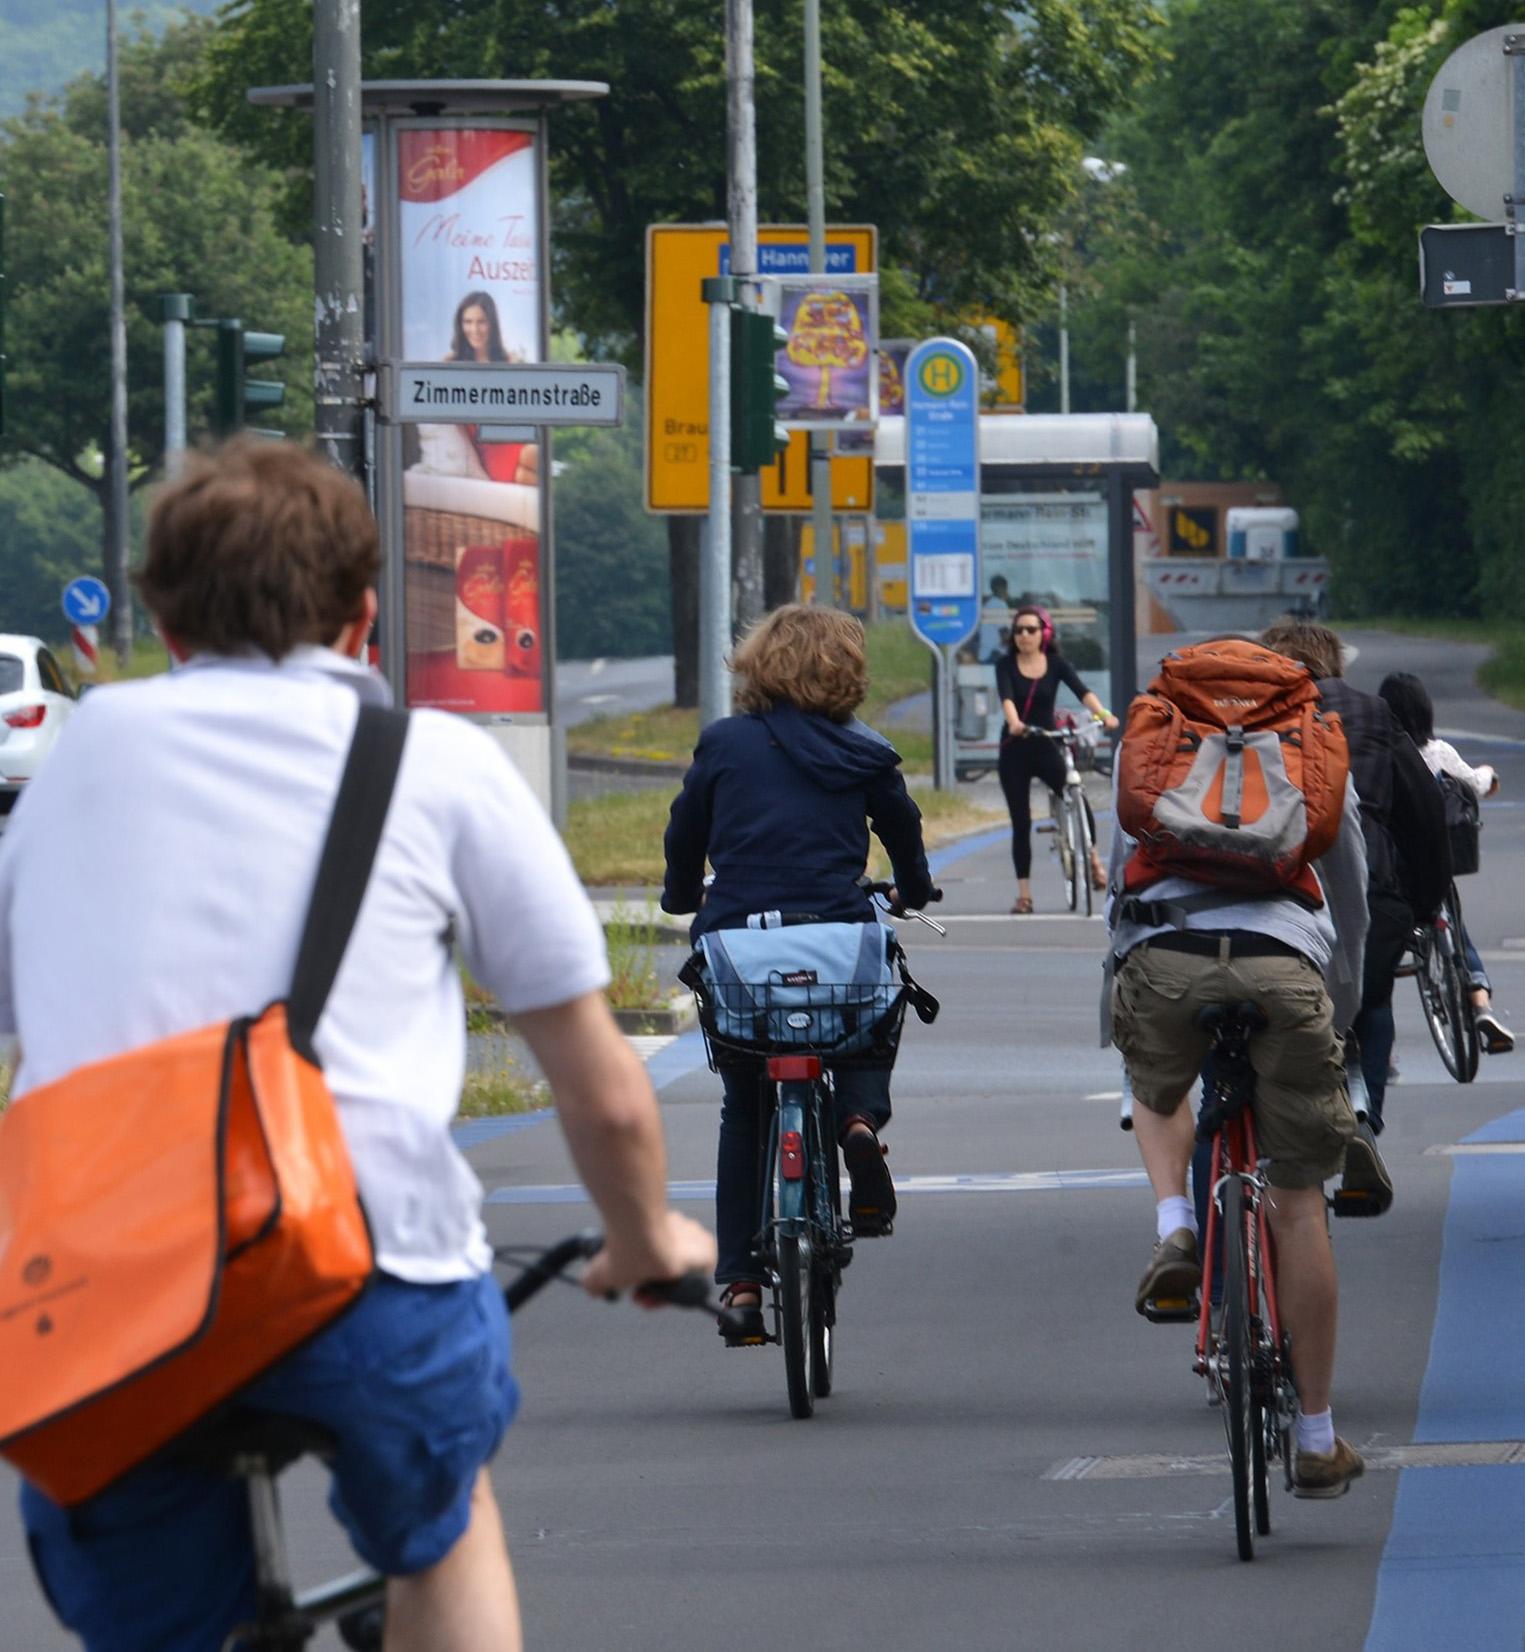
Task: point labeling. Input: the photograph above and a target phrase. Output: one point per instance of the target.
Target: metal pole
(116, 515)
(1514, 53)
(1132, 365)
(741, 131)
(815, 201)
(1064, 347)
(177, 311)
(715, 549)
(338, 253)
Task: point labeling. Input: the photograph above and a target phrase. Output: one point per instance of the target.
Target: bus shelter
(1056, 528)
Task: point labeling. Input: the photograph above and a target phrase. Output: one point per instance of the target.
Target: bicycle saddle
(1220, 1021)
(217, 1444)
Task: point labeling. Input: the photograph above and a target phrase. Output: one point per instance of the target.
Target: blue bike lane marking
(1453, 1569)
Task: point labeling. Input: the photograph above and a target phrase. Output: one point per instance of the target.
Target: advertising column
(468, 234)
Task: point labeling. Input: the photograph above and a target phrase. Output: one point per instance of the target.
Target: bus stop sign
(942, 506)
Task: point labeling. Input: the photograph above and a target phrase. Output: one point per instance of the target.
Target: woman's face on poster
(474, 327)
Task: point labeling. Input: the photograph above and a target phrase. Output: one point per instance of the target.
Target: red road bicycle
(1241, 1348)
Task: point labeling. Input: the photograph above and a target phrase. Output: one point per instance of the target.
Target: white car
(35, 703)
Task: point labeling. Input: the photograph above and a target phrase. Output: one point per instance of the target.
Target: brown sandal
(1022, 906)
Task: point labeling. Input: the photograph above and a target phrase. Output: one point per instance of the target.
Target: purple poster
(829, 359)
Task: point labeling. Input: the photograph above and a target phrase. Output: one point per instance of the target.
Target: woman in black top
(1028, 678)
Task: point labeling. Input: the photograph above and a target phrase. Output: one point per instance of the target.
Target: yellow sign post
(678, 258)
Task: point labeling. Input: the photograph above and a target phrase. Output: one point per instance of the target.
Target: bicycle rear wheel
(823, 1277)
(794, 1299)
(1239, 1408)
(1444, 1002)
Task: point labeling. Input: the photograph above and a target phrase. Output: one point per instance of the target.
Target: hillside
(44, 44)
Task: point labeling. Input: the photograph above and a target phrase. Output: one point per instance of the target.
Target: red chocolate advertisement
(469, 217)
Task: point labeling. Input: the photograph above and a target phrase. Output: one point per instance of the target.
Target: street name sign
(86, 601)
(544, 393)
(678, 258)
(942, 404)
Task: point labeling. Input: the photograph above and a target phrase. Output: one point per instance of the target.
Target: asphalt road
(1012, 1458)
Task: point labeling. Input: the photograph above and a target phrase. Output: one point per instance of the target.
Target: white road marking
(1161, 1466)
(1474, 1149)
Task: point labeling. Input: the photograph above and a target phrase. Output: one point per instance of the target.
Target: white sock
(1172, 1213)
(1315, 1433)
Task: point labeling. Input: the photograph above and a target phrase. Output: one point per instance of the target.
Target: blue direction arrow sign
(86, 601)
(942, 505)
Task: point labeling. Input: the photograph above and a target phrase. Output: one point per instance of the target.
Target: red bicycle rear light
(26, 717)
(791, 1156)
(794, 1066)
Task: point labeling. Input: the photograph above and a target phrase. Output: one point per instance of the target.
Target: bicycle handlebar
(690, 1290)
(881, 890)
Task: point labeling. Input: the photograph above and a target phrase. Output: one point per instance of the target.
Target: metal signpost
(942, 510)
(1474, 140)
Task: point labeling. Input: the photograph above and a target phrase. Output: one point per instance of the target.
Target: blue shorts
(413, 1383)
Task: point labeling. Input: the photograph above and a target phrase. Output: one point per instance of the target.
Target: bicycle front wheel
(1084, 846)
(1440, 992)
(1239, 1408)
(1070, 856)
(794, 1300)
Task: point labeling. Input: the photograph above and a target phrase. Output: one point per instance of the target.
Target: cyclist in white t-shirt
(154, 879)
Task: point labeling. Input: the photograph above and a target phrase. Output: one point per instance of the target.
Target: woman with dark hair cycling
(1029, 675)
(1409, 700)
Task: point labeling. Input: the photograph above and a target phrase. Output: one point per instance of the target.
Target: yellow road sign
(786, 482)
(678, 258)
(1003, 391)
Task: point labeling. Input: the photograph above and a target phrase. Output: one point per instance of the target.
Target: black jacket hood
(836, 756)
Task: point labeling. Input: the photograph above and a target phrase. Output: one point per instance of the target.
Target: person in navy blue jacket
(780, 799)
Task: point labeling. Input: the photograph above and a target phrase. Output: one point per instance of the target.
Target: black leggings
(1023, 760)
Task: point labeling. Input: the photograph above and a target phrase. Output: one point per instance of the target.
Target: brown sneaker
(1174, 1273)
(1326, 1473)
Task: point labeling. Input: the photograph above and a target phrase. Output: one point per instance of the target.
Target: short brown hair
(258, 544)
(812, 658)
(1315, 645)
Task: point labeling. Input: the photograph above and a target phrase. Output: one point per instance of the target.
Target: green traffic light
(756, 389)
(236, 394)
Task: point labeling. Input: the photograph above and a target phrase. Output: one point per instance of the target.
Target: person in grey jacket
(1302, 967)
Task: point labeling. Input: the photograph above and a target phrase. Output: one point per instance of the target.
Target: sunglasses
(1028, 630)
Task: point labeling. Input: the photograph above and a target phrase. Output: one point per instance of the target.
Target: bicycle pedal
(1358, 1202)
(1172, 1310)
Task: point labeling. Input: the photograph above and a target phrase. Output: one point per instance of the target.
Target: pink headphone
(1046, 637)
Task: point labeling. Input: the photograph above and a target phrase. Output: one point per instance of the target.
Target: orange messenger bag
(176, 1219)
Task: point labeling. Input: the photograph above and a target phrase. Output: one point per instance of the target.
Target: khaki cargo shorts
(1303, 1119)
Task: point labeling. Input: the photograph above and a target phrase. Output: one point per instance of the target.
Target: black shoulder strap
(344, 870)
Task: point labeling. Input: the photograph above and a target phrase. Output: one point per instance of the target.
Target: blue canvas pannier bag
(820, 987)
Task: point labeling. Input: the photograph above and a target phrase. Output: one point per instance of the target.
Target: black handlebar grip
(692, 1290)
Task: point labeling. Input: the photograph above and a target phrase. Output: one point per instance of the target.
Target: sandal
(741, 1324)
(871, 1205)
(1022, 906)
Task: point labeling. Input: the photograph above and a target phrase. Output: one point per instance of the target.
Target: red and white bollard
(86, 640)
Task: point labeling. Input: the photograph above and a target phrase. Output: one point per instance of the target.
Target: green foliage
(198, 217)
(956, 126)
(612, 589)
(50, 530)
(1263, 241)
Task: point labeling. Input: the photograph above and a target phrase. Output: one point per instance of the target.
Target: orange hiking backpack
(175, 1219)
(1230, 773)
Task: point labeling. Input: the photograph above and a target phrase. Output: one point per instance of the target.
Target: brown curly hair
(1316, 646)
(812, 658)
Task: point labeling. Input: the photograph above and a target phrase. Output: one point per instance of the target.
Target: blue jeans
(743, 1137)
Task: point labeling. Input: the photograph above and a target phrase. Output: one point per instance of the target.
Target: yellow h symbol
(941, 375)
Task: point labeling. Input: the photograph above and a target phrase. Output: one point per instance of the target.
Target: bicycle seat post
(271, 1572)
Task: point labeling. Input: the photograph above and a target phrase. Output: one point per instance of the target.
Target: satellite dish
(1469, 123)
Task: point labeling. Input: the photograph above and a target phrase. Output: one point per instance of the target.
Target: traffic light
(237, 394)
(756, 440)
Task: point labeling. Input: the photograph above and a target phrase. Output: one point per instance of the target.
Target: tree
(198, 217)
(956, 126)
(50, 530)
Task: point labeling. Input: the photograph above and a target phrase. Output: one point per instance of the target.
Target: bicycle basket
(1464, 825)
(828, 988)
